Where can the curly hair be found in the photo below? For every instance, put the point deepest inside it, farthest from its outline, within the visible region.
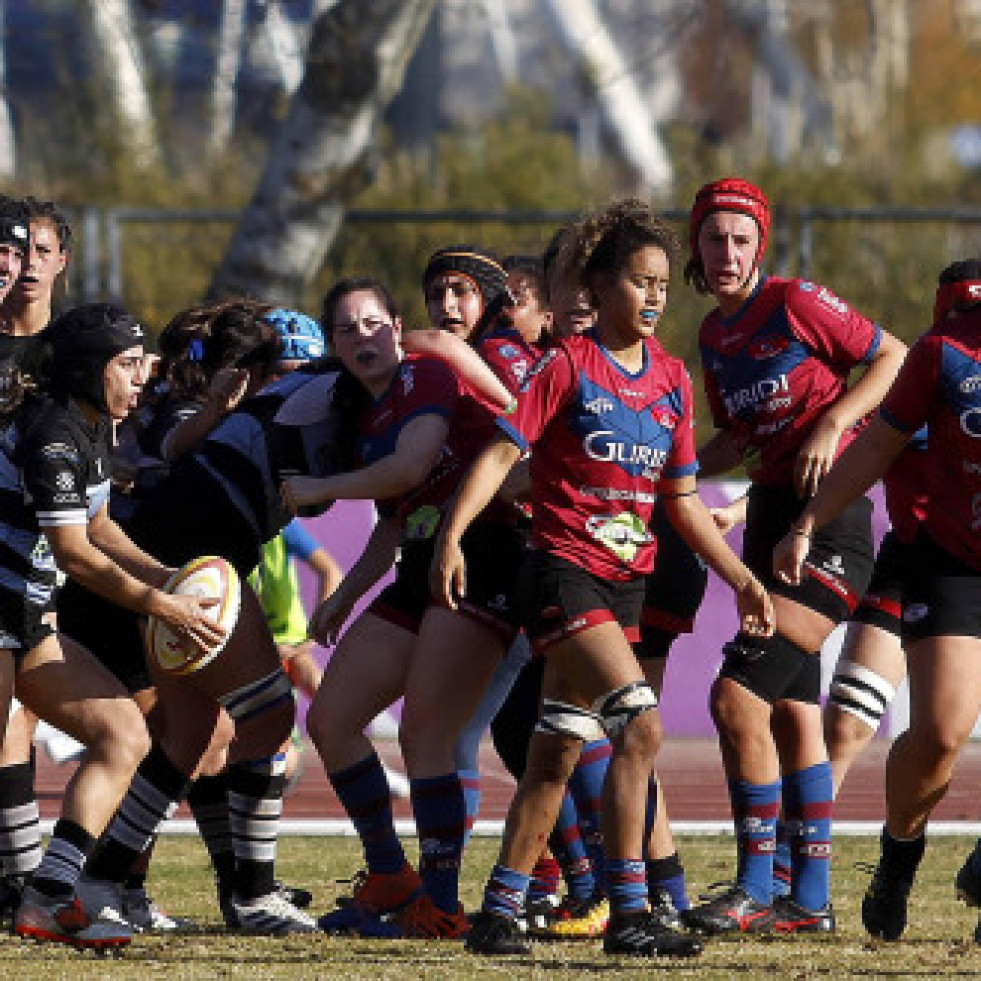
(200, 341)
(601, 242)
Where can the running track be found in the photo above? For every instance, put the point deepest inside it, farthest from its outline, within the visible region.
(689, 769)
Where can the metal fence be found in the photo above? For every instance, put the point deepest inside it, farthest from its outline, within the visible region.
(883, 260)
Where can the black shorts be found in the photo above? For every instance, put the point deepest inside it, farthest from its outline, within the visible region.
(23, 625)
(673, 591)
(558, 600)
(839, 564)
(943, 594)
(882, 604)
(110, 632)
(512, 727)
(493, 554)
(185, 516)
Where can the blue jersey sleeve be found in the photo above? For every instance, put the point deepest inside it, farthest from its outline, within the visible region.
(299, 542)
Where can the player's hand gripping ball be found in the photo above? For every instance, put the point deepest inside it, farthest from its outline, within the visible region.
(207, 576)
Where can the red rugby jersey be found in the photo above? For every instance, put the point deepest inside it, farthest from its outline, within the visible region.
(774, 367)
(940, 385)
(603, 438)
(509, 355)
(905, 487)
(425, 385)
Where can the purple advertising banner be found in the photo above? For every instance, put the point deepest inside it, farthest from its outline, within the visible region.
(694, 659)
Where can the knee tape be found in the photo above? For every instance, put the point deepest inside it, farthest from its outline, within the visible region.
(862, 692)
(773, 668)
(618, 708)
(258, 696)
(560, 719)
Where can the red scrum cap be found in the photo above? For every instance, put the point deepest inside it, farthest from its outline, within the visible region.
(959, 287)
(730, 194)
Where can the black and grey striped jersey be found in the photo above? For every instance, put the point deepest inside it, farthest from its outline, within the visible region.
(294, 426)
(54, 471)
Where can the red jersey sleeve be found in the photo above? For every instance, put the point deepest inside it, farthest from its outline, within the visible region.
(908, 402)
(427, 385)
(509, 359)
(683, 458)
(837, 333)
(546, 388)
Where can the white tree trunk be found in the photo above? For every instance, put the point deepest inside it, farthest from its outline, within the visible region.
(620, 100)
(229, 58)
(8, 141)
(357, 57)
(118, 44)
(284, 41)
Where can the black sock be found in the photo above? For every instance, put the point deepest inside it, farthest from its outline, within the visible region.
(152, 797)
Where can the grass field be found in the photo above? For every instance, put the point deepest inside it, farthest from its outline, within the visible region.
(937, 944)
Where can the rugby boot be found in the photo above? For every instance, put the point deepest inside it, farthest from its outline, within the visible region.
(538, 912)
(63, 919)
(375, 895)
(732, 911)
(642, 934)
(577, 919)
(885, 902)
(271, 915)
(791, 917)
(493, 935)
(967, 885)
(145, 916)
(424, 920)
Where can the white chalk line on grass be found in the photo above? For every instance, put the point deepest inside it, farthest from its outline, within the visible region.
(340, 828)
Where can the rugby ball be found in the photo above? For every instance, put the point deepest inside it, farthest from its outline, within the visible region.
(209, 575)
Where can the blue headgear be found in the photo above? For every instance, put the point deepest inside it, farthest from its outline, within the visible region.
(300, 335)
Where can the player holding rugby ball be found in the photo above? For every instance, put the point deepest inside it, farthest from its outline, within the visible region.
(54, 488)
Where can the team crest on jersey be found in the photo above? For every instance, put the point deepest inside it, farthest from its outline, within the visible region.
(767, 347)
(408, 379)
(623, 534)
(64, 481)
(508, 351)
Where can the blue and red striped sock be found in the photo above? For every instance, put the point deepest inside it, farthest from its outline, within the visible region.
(363, 791)
(545, 878)
(754, 809)
(807, 805)
(441, 818)
(505, 892)
(569, 850)
(626, 884)
(586, 787)
(470, 779)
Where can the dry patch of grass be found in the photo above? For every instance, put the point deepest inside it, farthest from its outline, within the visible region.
(937, 944)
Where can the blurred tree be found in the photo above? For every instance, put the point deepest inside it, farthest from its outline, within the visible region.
(357, 57)
(123, 71)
